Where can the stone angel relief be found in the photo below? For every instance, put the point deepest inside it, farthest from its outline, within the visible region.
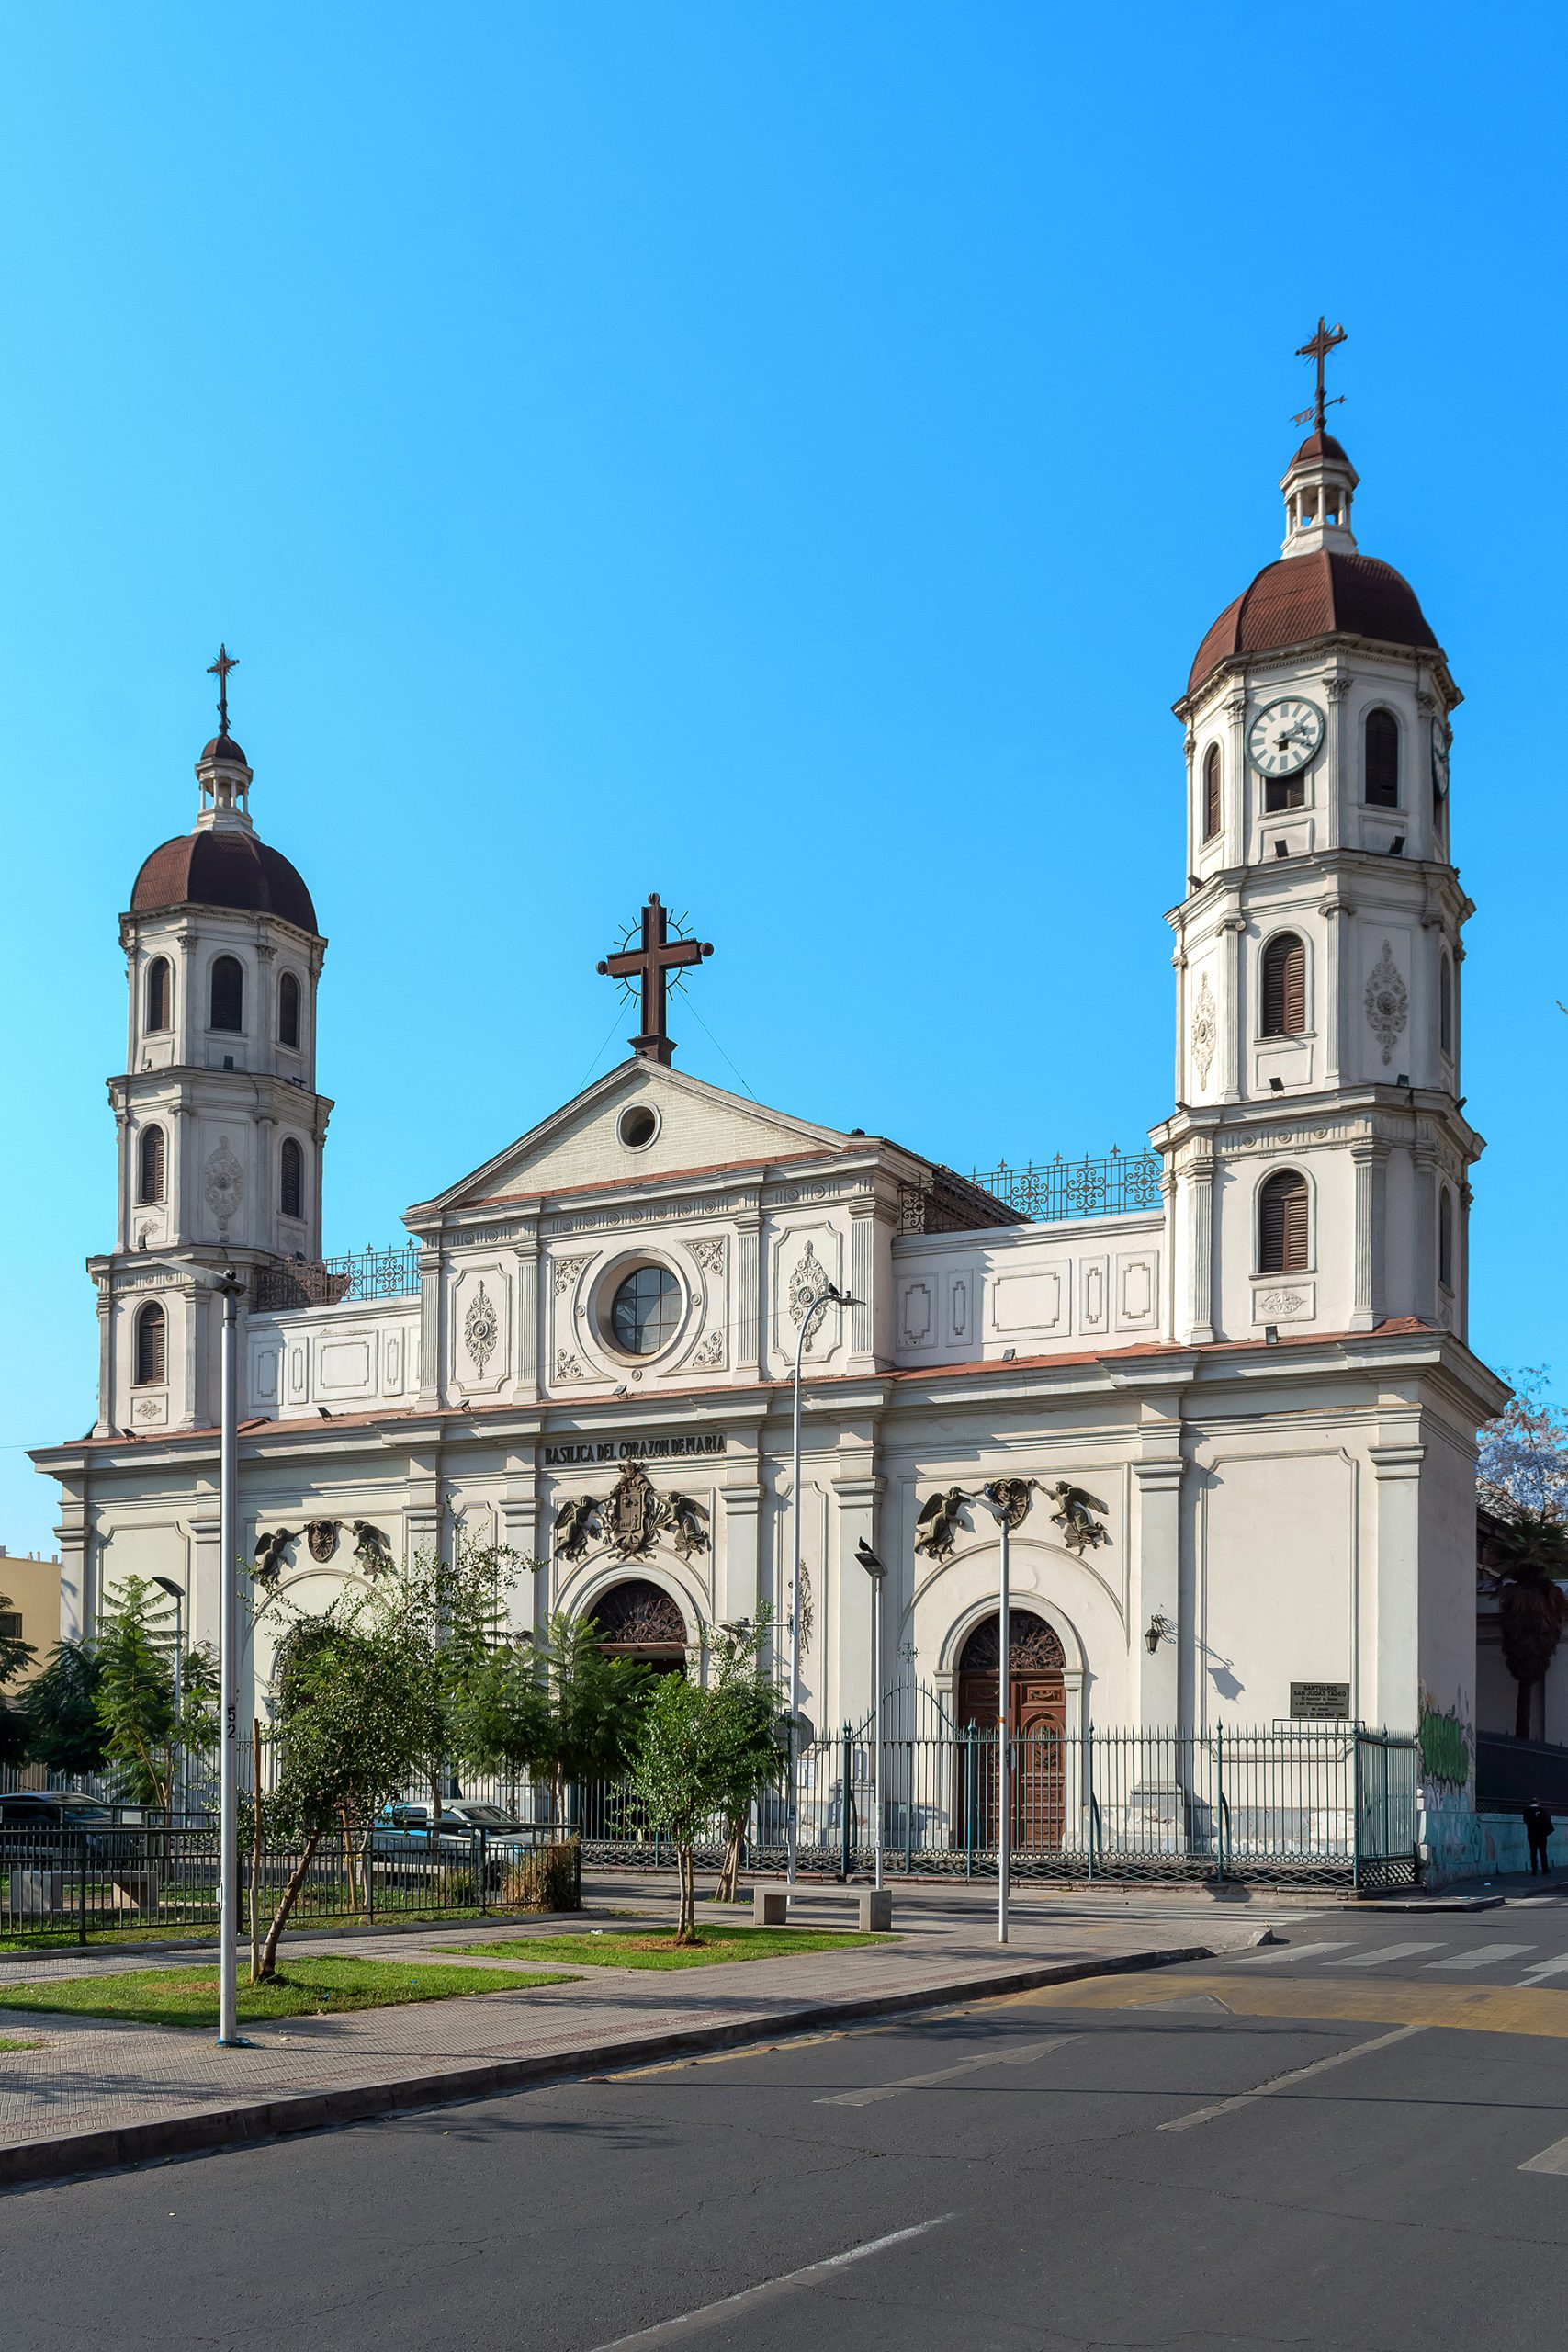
(574, 1525)
(267, 1563)
(936, 1529)
(372, 1553)
(1074, 1515)
(685, 1522)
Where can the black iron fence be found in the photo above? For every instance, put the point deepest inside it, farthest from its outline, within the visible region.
(70, 1883)
(1044, 1190)
(328, 1281)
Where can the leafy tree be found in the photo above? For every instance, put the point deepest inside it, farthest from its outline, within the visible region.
(678, 1772)
(64, 1730)
(752, 1735)
(348, 1735)
(16, 1656)
(1526, 1558)
(451, 1619)
(562, 1710)
(1523, 1464)
(133, 1693)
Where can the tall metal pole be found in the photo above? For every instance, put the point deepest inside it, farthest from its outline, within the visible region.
(1004, 1708)
(227, 1648)
(179, 1705)
(829, 1295)
(876, 1723)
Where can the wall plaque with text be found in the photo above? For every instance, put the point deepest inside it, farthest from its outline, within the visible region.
(1320, 1702)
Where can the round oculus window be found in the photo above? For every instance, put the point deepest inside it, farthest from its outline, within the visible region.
(638, 1125)
(645, 1313)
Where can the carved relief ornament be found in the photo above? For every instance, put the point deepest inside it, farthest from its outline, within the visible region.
(1205, 1031)
(1387, 1002)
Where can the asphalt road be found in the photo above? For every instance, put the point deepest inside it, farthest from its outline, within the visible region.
(1358, 2138)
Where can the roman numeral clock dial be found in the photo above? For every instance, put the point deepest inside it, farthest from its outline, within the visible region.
(1285, 736)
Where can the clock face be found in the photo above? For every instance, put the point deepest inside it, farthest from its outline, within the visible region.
(1440, 758)
(1285, 736)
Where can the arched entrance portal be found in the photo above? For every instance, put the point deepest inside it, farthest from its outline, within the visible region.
(636, 1620)
(1037, 1714)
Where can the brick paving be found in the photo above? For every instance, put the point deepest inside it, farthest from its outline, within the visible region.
(91, 2076)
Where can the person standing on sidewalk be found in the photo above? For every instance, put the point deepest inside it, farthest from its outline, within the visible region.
(1538, 1830)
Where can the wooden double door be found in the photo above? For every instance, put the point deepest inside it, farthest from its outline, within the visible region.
(1037, 1716)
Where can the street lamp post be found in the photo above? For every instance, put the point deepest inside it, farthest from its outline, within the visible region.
(1006, 1500)
(877, 1571)
(176, 1593)
(828, 1296)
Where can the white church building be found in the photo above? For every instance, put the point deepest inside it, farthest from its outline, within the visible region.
(1237, 1369)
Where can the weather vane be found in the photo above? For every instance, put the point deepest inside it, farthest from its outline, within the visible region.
(220, 670)
(1322, 344)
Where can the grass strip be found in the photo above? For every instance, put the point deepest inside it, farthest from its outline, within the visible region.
(302, 1988)
(718, 1946)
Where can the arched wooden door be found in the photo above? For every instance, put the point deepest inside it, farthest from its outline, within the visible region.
(1037, 1716)
(636, 1620)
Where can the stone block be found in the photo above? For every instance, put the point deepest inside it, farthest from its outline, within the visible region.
(770, 1906)
(875, 1905)
(35, 1894)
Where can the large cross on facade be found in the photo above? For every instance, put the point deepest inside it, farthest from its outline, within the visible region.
(646, 968)
(1321, 345)
(220, 670)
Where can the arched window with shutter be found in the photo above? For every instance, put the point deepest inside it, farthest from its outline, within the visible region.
(227, 1009)
(1380, 780)
(152, 1346)
(289, 1010)
(1445, 1238)
(1284, 986)
(160, 994)
(1212, 792)
(292, 1179)
(150, 1165)
(1283, 1224)
(1446, 1005)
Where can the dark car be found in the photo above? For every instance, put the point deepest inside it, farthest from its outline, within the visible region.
(42, 1826)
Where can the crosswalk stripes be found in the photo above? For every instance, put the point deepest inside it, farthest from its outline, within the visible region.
(1383, 1954)
(1286, 1952)
(1538, 1969)
(1483, 1956)
(1341, 1953)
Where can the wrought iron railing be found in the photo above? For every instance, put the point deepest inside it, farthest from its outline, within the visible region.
(328, 1282)
(1043, 1190)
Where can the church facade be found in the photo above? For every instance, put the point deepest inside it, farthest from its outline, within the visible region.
(1238, 1389)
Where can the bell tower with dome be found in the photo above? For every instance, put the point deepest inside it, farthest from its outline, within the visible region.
(1318, 1156)
(221, 1129)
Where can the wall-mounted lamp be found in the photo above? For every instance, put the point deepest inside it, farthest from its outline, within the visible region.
(1160, 1630)
(1276, 1086)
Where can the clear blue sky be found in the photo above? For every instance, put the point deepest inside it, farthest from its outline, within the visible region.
(783, 457)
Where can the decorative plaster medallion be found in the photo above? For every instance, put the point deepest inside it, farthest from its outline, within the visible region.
(481, 1328)
(807, 1284)
(320, 1534)
(1387, 1002)
(710, 1355)
(1279, 1302)
(148, 1408)
(566, 1270)
(223, 1182)
(710, 1256)
(567, 1365)
(1205, 1031)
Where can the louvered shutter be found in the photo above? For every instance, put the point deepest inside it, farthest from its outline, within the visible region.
(1382, 745)
(1211, 793)
(1284, 987)
(1282, 1225)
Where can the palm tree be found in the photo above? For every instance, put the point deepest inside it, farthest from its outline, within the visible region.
(1526, 1559)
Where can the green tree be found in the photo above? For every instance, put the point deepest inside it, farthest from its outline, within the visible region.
(451, 1619)
(1525, 1556)
(59, 1711)
(595, 1707)
(679, 1772)
(16, 1656)
(347, 1736)
(134, 1692)
(751, 1735)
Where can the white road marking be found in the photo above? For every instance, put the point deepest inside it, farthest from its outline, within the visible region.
(1540, 1968)
(1019, 2057)
(1291, 1951)
(675, 2331)
(1282, 2082)
(1384, 1953)
(1552, 2159)
(1483, 1956)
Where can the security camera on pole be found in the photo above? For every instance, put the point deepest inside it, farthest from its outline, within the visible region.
(828, 1296)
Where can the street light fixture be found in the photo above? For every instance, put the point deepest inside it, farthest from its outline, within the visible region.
(877, 1571)
(231, 1287)
(177, 1594)
(828, 1296)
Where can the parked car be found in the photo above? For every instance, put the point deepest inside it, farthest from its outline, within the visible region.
(44, 1824)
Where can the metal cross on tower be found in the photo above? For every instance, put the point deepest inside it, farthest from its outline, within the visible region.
(220, 670)
(1321, 345)
(646, 968)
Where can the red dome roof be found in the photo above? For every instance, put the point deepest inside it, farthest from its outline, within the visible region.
(230, 868)
(224, 747)
(1320, 445)
(1303, 597)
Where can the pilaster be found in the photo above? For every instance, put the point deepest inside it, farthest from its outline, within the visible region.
(1155, 1595)
(1200, 1246)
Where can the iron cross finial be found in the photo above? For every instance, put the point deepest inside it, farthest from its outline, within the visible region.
(1321, 345)
(646, 968)
(220, 670)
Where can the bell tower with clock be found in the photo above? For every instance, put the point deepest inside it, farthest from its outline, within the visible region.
(1318, 1155)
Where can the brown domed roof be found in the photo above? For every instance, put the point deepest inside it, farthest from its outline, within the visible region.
(1321, 594)
(223, 747)
(229, 868)
(1320, 445)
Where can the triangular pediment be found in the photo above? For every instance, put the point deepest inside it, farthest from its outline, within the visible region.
(602, 1138)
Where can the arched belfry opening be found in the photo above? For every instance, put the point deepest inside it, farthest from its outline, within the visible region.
(637, 1620)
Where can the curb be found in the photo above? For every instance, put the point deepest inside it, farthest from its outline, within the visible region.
(273, 2118)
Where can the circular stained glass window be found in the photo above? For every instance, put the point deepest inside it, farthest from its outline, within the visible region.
(645, 1311)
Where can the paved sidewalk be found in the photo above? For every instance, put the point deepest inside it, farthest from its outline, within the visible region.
(94, 2095)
